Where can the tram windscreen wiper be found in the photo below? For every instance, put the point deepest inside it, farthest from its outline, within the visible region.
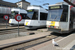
(55, 18)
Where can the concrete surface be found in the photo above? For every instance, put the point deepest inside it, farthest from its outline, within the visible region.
(13, 35)
(4, 43)
(43, 30)
(4, 28)
(66, 43)
(70, 46)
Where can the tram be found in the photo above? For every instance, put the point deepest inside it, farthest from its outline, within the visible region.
(14, 12)
(36, 17)
(61, 18)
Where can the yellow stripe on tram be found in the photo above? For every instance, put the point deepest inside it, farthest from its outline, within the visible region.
(26, 23)
(52, 23)
(9, 21)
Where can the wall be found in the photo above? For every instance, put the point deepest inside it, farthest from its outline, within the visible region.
(19, 4)
(25, 5)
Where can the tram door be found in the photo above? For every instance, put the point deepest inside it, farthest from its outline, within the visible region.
(72, 20)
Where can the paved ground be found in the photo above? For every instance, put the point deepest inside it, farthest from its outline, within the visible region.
(15, 35)
(20, 39)
(66, 43)
(4, 23)
(8, 27)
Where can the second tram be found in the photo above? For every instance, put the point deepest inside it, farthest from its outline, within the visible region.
(36, 17)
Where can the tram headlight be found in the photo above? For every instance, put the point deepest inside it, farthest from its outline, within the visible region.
(10, 21)
(57, 27)
(54, 26)
(26, 23)
(49, 26)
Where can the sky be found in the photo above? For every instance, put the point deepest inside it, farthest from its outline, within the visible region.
(38, 2)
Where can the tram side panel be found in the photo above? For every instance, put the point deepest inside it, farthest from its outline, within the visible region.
(43, 19)
(72, 19)
(31, 24)
(14, 22)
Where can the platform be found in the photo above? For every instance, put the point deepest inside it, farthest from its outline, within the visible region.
(8, 28)
(66, 43)
(8, 42)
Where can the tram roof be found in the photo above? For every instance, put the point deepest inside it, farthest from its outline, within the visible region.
(60, 3)
(41, 9)
(18, 9)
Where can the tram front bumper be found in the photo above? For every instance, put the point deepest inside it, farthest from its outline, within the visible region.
(57, 30)
(31, 27)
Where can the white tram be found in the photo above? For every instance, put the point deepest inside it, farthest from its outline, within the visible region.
(36, 17)
(14, 12)
(61, 18)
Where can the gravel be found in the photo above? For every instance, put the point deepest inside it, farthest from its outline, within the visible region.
(13, 35)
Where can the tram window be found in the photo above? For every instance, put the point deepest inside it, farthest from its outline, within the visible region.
(43, 16)
(64, 17)
(23, 15)
(35, 16)
(13, 14)
(72, 16)
(32, 15)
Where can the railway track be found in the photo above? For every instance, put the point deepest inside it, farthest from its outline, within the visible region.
(13, 30)
(28, 44)
(10, 30)
(13, 33)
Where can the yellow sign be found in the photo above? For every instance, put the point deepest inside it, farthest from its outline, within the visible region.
(26, 23)
(30, 10)
(9, 21)
(54, 7)
(52, 23)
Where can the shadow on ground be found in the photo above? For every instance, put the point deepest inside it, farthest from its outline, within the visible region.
(62, 35)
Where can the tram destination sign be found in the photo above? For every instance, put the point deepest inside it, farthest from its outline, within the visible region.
(54, 7)
(29, 10)
(32, 10)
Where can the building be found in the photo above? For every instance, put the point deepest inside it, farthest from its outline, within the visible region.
(4, 5)
(7, 4)
(23, 4)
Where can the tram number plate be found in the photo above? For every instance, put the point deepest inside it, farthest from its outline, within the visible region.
(52, 23)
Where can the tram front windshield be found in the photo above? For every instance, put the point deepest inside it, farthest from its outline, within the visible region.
(13, 14)
(55, 15)
(32, 15)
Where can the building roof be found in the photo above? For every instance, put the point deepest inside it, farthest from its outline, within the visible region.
(7, 3)
(23, 1)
